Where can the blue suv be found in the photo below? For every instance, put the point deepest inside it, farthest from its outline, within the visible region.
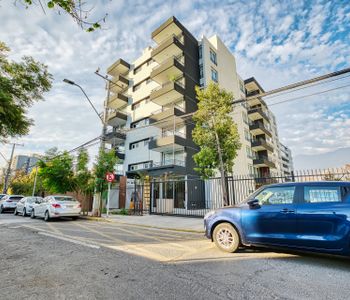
(311, 216)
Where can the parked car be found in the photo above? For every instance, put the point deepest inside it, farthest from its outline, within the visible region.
(56, 206)
(311, 216)
(9, 202)
(25, 205)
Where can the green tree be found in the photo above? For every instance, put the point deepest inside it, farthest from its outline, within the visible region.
(106, 162)
(22, 183)
(56, 172)
(77, 9)
(83, 179)
(215, 133)
(21, 84)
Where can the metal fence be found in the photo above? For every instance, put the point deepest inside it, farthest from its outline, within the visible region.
(195, 197)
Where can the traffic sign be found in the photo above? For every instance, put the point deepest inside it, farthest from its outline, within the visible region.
(110, 177)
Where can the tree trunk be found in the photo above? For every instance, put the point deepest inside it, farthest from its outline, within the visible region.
(222, 171)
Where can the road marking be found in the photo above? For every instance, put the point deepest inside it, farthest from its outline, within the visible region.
(53, 228)
(69, 240)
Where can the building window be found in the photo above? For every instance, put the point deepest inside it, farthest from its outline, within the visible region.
(247, 135)
(241, 87)
(138, 69)
(214, 75)
(245, 118)
(136, 87)
(137, 144)
(135, 106)
(140, 123)
(213, 57)
(200, 51)
(201, 72)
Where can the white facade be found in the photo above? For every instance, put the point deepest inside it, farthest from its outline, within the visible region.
(219, 65)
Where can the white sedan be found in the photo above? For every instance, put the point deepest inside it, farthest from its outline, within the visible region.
(56, 206)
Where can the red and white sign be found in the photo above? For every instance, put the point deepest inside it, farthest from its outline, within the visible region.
(110, 177)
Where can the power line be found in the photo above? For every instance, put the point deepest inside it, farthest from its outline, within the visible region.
(306, 87)
(310, 95)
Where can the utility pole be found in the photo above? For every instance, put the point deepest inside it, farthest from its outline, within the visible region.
(8, 171)
(36, 176)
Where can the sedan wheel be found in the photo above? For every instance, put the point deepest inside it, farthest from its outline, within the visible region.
(32, 215)
(24, 213)
(47, 216)
(226, 237)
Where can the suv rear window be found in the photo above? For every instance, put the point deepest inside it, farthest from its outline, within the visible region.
(320, 194)
(15, 198)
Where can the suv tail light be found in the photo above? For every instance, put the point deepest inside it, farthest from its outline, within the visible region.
(56, 205)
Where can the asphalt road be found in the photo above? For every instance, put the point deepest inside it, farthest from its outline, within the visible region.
(95, 260)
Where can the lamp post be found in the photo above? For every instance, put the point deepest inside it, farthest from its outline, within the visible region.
(96, 203)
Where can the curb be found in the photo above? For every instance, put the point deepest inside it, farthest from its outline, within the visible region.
(140, 225)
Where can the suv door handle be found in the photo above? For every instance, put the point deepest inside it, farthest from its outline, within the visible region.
(287, 211)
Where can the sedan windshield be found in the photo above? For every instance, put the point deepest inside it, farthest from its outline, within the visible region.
(63, 198)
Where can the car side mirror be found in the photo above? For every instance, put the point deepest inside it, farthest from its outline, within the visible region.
(253, 203)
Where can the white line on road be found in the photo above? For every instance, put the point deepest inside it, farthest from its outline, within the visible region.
(69, 240)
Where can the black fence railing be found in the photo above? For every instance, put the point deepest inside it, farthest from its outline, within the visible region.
(196, 197)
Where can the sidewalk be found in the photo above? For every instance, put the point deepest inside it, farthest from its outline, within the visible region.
(156, 221)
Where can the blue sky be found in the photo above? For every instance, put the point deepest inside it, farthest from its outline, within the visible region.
(278, 42)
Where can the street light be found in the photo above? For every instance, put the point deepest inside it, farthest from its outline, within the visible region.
(73, 83)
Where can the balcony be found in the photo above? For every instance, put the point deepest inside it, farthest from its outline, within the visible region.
(166, 117)
(257, 100)
(115, 137)
(261, 145)
(119, 84)
(257, 114)
(264, 162)
(173, 67)
(173, 46)
(168, 93)
(119, 67)
(168, 28)
(117, 101)
(258, 128)
(170, 166)
(117, 119)
(169, 141)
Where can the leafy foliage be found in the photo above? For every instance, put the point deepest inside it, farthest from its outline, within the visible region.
(83, 179)
(106, 162)
(75, 8)
(21, 84)
(56, 172)
(214, 130)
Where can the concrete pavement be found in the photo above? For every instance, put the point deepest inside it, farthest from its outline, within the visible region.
(66, 259)
(185, 224)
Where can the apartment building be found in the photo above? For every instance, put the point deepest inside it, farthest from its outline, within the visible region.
(286, 161)
(24, 162)
(149, 100)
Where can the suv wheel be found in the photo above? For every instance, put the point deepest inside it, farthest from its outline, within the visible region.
(1, 209)
(24, 213)
(32, 215)
(47, 216)
(15, 212)
(226, 237)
